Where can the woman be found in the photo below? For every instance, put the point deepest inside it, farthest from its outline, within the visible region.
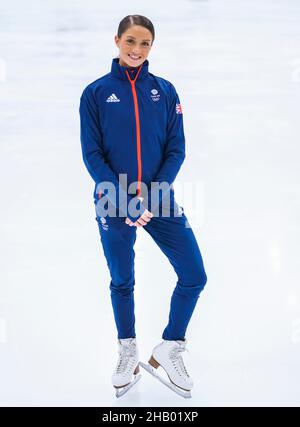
(132, 125)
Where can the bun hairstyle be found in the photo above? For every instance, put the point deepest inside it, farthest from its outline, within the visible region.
(131, 20)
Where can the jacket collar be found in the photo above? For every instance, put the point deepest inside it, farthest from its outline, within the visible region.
(119, 71)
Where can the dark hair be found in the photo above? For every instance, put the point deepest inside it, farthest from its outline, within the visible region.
(131, 20)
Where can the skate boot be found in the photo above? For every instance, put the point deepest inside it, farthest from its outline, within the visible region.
(127, 366)
(167, 354)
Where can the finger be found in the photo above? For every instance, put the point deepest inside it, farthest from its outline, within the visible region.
(148, 218)
(141, 221)
(147, 214)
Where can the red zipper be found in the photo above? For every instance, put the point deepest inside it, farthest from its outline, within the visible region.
(138, 129)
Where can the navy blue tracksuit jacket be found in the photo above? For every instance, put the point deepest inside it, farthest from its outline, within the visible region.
(132, 123)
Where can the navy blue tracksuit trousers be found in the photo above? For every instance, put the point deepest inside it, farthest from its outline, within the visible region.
(177, 241)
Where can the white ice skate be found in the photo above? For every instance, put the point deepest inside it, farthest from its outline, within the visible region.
(167, 355)
(127, 366)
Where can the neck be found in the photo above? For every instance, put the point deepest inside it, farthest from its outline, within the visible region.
(123, 64)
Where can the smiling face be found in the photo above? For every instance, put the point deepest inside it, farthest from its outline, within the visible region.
(134, 46)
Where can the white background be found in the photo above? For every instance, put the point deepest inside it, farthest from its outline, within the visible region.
(236, 67)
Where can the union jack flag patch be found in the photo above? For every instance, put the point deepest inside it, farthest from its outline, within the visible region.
(178, 109)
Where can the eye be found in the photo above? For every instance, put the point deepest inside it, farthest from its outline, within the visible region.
(129, 40)
(146, 43)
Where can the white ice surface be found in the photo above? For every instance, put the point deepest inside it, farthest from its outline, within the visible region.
(236, 67)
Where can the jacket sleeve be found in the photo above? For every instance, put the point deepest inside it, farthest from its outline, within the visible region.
(174, 154)
(92, 152)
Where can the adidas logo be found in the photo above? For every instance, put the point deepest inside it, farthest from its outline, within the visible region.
(112, 98)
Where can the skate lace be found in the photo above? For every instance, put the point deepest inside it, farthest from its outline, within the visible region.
(124, 355)
(176, 357)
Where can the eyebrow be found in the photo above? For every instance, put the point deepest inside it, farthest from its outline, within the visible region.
(145, 40)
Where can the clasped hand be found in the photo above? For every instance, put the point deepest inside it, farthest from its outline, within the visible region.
(143, 220)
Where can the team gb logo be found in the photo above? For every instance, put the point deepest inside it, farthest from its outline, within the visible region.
(178, 109)
(155, 95)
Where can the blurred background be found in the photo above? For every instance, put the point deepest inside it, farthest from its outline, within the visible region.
(236, 67)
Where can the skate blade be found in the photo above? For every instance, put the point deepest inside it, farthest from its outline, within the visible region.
(186, 394)
(120, 391)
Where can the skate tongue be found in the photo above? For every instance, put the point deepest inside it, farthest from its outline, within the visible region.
(127, 341)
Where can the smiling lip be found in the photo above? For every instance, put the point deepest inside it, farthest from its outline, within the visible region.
(134, 58)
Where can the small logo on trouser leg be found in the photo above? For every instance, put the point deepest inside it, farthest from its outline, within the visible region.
(103, 222)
